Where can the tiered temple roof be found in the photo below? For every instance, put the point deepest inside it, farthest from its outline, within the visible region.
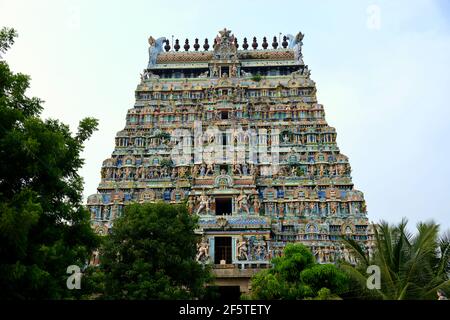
(236, 132)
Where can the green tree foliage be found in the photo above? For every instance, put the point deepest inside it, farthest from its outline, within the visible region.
(150, 254)
(256, 78)
(296, 275)
(43, 226)
(412, 266)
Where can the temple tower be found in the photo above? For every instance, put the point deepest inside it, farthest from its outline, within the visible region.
(236, 132)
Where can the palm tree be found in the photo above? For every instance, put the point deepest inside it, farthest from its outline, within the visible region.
(412, 266)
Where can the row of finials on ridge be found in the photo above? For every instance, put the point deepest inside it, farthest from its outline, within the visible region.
(245, 45)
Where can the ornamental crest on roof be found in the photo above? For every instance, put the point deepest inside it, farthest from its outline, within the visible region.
(224, 46)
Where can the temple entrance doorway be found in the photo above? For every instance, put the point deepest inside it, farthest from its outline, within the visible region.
(222, 250)
(223, 206)
(220, 293)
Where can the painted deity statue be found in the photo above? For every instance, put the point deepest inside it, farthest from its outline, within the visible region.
(191, 204)
(241, 249)
(256, 205)
(204, 203)
(202, 251)
(242, 201)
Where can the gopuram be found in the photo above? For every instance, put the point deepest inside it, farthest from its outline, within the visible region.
(235, 131)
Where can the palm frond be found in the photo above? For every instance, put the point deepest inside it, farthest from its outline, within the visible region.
(423, 248)
(356, 250)
(384, 254)
(443, 268)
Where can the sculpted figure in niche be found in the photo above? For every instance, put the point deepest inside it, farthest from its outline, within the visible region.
(260, 250)
(332, 170)
(253, 170)
(326, 255)
(215, 71)
(126, 173)
(202, 170)
(233, 71)
(323, 208)
(348, 230)
(107, 213)
(210, 169)
(242, 201)
(195, 171)
(340, 253)
(138, 174)
(321, 170)
(281, 209)
(204, 74)
(110, 173)
(333, 207)
(321, 255)
(341, 169)
(312, 207)
(119, 173)
(242, 249)
(333, 193)
(332, 254)
(346, 255)
(291, 207)
(202, 251)
(237, 169)
(294, 171)
(204, 203)
(245, 169)
(191, 204)
(174, 173)
(182, 172)
(256, 205)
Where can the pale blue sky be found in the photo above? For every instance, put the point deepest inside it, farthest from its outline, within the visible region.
(384, 86)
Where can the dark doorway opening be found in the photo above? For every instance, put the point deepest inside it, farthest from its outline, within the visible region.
(225, 70)
(224, 139)
(222, 249)
(223, 293)
(223, 206)
(224, 115)
(224, 168)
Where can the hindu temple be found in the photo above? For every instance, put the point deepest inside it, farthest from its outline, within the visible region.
(234, 130)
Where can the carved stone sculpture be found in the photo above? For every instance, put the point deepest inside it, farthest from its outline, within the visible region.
(156, 47)
(204, 203)
(241, 249)
(202, 251)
